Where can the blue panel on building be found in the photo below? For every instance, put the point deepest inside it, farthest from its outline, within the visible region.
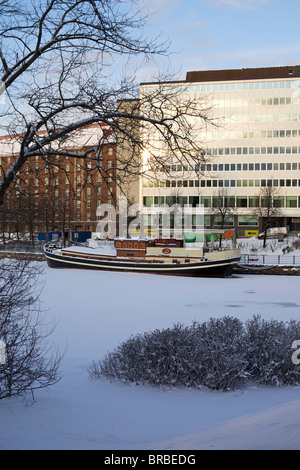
(48, 236)
(80, 236)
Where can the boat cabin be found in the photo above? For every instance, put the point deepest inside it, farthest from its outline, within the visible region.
(131, 248)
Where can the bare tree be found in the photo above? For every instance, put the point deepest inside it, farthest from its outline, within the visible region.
(268, 211)
(57, 59)
(223, 208)
(30, 362)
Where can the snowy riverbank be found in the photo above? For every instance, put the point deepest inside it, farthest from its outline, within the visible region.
(95, 312)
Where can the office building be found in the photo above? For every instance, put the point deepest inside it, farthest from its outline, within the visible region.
(253, 154)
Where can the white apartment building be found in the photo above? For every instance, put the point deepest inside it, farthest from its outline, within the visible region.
(256, 146)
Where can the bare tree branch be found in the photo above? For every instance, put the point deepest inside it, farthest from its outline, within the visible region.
(56, 58)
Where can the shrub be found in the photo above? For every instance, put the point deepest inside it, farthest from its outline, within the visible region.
(221, 354)
(269, 351)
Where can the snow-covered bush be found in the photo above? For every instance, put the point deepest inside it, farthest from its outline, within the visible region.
(209, 354)
(220, 346)
(221, 354)
(269, 345)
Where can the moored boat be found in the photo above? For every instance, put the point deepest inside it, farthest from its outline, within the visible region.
(166, 256)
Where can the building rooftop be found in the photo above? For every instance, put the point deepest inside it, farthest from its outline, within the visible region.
(244, 74)
(261, 73)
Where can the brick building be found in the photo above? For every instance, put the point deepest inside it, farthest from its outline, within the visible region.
(59, 193)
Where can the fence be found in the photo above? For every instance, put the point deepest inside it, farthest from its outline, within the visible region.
(287, 260)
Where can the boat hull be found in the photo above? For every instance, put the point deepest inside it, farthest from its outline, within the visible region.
(216, 268)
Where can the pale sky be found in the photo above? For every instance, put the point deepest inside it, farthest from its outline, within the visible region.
(224, 34)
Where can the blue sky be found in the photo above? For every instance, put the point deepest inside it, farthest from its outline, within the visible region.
(221, 34)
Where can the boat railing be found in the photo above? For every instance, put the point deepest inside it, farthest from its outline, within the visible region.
(49, 248)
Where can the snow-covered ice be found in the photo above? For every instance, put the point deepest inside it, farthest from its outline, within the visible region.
(96, 311)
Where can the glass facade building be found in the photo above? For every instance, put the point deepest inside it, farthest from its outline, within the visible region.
(252, 153)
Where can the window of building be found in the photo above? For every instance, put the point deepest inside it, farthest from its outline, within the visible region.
(278, 201)
(247, 220)
(291, 201)
(182, 201)
(148, 201)
(159, 200)
(217, 201)
(253, 201)
(219, 221)
(241, 201)
(170, 200)
(229, 201)
(206, 201)
(194, 201)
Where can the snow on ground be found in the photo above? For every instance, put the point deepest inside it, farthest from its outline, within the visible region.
(95, 312)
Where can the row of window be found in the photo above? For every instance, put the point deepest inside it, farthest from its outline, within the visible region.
(257, 134)
(282, 166)
(242, 220)
(286, 100)
(229, 221)
(245, 118)
(227, 183)
(294, 149)
(282, 150)
(213, 87)
(220, 201)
